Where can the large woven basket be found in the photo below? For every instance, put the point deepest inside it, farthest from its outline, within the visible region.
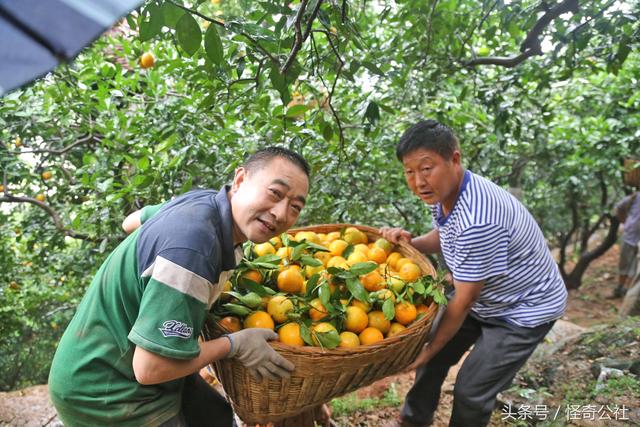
(321, 374)
(632, 172)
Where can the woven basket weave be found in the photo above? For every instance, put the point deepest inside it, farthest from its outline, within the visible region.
(321, 374)
(632, 172)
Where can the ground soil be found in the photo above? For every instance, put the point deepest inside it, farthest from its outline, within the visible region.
(587, 307)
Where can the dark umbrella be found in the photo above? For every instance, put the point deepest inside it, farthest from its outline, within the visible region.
(35, 35)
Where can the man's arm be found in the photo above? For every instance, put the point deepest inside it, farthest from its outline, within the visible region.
(151, 368)
(132, 221)
(466, 295)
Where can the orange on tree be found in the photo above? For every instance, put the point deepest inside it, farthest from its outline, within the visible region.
(289, 334)
(262, 249)
(370, 336)
(317, 311)
(372, 281)
(46, 175)
(259, 319)
(290, 279)
(1, 188)
(405, 312)
(356, 319)
(40, 197)
(231, 323)
(147, 60)
(395, 329)
(409, 272)
(278, 307)
(349, 340)
(337, 247)
(377, 255)
(253, 275)
(322, 327)
(378, 321)
(18, 142)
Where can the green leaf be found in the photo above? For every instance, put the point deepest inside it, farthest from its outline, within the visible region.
(297, 110)
(357, 290)
(310, 261)
(188, 34)
(373, 68)
(268, 259)
(324, 293)
(329, 339)
(252, 286)
(298, 251)
(239, 310)
(372, 114)
(389, 309)
(152, 27)
(213, 45)
(279, 83)
(361, 268)
(172, 14)
(305, 333)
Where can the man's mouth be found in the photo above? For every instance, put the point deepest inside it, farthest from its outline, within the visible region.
(270, 226)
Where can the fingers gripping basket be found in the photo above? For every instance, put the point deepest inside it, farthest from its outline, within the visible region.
(321, 374)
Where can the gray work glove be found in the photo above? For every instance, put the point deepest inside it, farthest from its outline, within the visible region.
(251, 348)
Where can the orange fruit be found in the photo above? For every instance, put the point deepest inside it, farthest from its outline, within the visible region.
(409, 272)
(322, 327)
(349, 340)
(356, 257)
(378, 321)
(339, 262)
(318, 310)
(310, 271)
(309, 236)
(262, 249)
(396, 284)
(289, 334)
(405, 312)
(147, 60)
(276, 242)
(40, 197)
(393, 258)
(231, 323)
(370, 336)
(290, 280)
(361, 247)
(365, 306)
(259, 319)
(46, 175)
(356, 319)
(323, 256)
(278, 307)
(421, 309)
(285, 252)
(395, 329)
(372, 281)
(385, 294)
(402, 261)
(334, 235)
(377, 255)
(337, 247)
(386, 245)
(1, 188)
(254, 275)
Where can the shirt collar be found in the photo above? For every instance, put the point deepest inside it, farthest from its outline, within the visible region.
(442, 220)
(226, 228)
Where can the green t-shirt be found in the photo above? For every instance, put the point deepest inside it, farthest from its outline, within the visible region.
(153, 291)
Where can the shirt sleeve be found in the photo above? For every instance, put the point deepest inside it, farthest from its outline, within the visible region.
(481, 253)
(174, 304)
(149, 211)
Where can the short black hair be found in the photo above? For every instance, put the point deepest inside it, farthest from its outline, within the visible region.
(428, 134)
(263, 156)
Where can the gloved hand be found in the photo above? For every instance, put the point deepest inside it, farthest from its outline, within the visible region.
(251, 348)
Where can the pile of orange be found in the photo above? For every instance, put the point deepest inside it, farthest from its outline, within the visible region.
(334, 289)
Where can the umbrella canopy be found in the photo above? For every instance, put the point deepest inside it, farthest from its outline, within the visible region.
(35, 35)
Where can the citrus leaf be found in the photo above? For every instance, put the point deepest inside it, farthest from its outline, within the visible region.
(389, 309)
(305, 333)
(188, 34)
(213, 45)
(239, 310)
(296, 110)
(329, 339)
(268, 259)
(361, 268)
(324, 293)
(310, 261)
(172, 14)
(357, 290)
(152, 27)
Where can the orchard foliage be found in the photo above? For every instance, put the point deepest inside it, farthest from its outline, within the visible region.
(542, 94)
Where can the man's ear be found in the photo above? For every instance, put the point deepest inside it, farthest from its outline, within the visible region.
(238, 178)
(456, 157)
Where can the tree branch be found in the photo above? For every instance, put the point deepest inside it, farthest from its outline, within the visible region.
(504, 61)
(88, 138)
(300, 37)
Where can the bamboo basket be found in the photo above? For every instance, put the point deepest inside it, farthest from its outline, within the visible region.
(632, 172)
(321, 374)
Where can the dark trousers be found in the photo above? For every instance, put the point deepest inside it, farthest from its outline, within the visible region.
(500, 349)
(201, 406)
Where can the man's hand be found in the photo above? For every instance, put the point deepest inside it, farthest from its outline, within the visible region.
(251, 348)
(395, 234)
(423, 358)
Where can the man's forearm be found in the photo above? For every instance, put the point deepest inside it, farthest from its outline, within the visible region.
(150, 368)
(427, 243)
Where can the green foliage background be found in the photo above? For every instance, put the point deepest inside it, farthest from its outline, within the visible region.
(556, 126)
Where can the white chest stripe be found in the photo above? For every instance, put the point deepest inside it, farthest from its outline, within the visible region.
(180, 279)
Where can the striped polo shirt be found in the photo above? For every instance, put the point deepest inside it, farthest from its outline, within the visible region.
(490, 236)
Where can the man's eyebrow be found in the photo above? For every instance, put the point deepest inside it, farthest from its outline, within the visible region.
(285, 184)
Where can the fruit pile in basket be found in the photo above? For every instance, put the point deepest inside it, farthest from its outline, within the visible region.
(335, 289)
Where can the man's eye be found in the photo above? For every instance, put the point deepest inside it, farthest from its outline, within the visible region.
(296, 208)
(275, 193)
(408, 172)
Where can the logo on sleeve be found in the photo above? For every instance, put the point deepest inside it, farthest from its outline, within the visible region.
(174, 328)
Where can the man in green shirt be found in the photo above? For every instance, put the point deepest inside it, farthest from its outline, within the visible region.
(125, 355)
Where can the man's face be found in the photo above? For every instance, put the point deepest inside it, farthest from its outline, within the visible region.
(432, 178)
(267, 201)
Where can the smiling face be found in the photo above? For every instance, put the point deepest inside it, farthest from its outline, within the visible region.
(267, 200)
(432, 177)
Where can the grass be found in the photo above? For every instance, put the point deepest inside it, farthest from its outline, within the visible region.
(350, 403)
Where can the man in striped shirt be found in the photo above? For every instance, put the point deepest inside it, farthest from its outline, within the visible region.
(508, 291)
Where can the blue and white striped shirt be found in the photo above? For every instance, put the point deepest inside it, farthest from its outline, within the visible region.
(489, 235)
